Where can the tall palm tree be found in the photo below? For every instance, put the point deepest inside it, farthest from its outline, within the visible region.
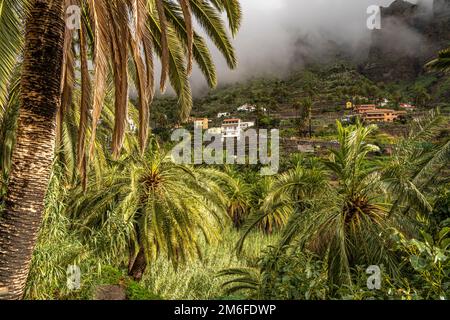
(239, 195)
(340, 217)
(110, 33)
(275, 218)
(161, 208)
(345, 216)
(307, 105)
(33, 155)
(422, 97)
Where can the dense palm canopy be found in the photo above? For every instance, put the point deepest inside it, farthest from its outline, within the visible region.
(150, 206)
(328, 215)
(345, 207)
(120, 39)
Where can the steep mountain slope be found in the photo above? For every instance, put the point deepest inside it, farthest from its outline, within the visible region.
(409, 37)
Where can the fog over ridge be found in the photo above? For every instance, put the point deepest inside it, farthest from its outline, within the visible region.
(269, 39)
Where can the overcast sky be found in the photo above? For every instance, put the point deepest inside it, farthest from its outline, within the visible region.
(266, 41)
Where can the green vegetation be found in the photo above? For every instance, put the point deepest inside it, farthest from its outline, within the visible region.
(308, 233)
(288, 99)
(134, 221)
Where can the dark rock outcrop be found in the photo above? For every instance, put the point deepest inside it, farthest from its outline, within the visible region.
(110, 292)
(409, 37)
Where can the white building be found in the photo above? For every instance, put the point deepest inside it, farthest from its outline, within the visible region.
(133, 127)
(231, 128)
(215, 130)
(234, 128)
(246, 108)
(223, 115)
(246, 125)
(384, 103)
(407, 106)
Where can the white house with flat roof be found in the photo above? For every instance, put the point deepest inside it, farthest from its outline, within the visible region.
(247, 108)
(231, 128)
(215, 130)
(223, 115)
(234, 128)
(246, 125)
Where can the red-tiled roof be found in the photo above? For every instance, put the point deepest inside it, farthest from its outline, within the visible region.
(381, 111)
(231, 120)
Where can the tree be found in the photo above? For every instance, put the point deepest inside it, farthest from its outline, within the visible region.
(345, 206)
(239, 198)
(33, 155)
(151, 206)
(277, 218)
(442, 62)
(307, 105)
(397, 98)
(110, 32)
(422, 97)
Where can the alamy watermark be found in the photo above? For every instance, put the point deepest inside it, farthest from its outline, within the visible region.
(73, 21)
(250, 147)
(374, 19)
(73, 13)
(374, 281)
(73, 274)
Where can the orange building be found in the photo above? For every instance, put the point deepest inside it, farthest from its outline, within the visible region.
(202, 123)
(380, 115)
(363, 108)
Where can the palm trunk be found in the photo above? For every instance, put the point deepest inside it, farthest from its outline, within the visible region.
(310, 121)
(138, 266)
(34, 151)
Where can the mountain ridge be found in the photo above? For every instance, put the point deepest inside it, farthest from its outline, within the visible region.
(409, 37)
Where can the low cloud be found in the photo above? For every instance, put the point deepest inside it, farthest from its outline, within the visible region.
(277, 34)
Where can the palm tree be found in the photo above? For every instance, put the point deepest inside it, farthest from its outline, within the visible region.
(239, 196)
(421, 96)
(107, 32)
(307, 105)
(345, 216)
(148, 206)
(33, 155)
(397, 97)
(442, 62)
(293, 190)
(163, 28)
(275, 218)
(418, 167)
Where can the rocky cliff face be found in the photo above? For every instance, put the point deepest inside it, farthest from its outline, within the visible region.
(409, 37)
